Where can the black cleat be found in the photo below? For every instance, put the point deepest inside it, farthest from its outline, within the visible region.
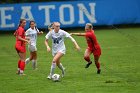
(98, 71)
(88, 64)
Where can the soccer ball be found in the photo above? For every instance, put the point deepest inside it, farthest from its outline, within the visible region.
(55, 77)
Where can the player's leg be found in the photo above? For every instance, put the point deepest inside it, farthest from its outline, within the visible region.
(60, 66)
(97, 63)
(57, 60)
(34, 61)
(22, 60)
(29, 59)
(87, 57)
(19, 61)
(31, 49)
(54, 62)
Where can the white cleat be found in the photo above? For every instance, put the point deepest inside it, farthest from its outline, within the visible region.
(49, 77)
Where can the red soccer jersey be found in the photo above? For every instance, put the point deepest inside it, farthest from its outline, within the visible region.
(20, 32)
(91, 40)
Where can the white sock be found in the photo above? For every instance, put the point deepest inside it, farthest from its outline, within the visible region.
(34, 64)
(53, 66)
(18, 69)
(27, 60)
(60, 66)
(21, 71)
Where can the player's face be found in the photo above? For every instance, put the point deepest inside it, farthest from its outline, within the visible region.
(56, 27)
(32, 24)
(87, 28)
(23, 24)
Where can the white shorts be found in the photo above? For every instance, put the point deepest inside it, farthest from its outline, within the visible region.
(32, 48)
(61, 51)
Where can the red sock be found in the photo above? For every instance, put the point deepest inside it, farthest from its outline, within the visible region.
(87, 59)
(19, 64)
(22, 65)
(97, 65)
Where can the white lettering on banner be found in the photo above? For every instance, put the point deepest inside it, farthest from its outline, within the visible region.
(83, 14)
(26, 10)
(83, 10)
(62, 14)
(47, 13)
(5, 17)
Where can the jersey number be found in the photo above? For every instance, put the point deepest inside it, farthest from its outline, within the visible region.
(56, 40)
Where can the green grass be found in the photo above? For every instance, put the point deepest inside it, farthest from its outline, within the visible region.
(120, 64)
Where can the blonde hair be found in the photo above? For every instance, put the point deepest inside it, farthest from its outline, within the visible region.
(89, 25)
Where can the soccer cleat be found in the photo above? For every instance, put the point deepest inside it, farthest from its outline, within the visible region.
(63, 72)
(35, 69)
(22, 74)
(88, 64)
(98, 71)
(49, 77)
(18, 72)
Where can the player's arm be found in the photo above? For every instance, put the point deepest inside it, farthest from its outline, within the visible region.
(15, 33)
(73, 40)
(47, 45)
(47, 40)
(22, 39)
(27, 35)
(78, 34)
(39, 33)
(19, 34)
(75, 43)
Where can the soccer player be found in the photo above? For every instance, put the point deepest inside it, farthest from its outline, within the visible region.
(31, 34)
(20, 46)
(58, 47)
(93, 46)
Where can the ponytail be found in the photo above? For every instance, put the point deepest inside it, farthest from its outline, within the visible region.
(21, 20)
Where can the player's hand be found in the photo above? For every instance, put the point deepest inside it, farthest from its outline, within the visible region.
(27, 38)
(48, 49)
(71, 33)
(28, 41)
(41, 32)
(78, 48)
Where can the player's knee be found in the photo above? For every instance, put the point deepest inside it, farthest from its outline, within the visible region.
(96, 59)
(57, 63)
(86, 57)
(55, 59)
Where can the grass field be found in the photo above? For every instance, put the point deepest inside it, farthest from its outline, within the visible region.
(120, 64)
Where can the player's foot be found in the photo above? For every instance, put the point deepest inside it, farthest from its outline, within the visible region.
(88, 64)
(63, 72)
(18, 72)
(35, 68)
(49, 77)
(98, 71)
(22, 74)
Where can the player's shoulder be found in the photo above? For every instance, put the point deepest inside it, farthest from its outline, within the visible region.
(28, 30)
(20, 28)
(61, 30)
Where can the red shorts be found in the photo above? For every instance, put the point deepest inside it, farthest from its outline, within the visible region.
(20, 49)
(96, 52)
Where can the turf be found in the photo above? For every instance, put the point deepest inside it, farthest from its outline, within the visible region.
(119, 63)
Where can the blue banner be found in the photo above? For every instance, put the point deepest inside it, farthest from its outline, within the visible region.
(71, 14)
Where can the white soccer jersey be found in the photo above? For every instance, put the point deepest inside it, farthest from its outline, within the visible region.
(57, 40)
(32, 34)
